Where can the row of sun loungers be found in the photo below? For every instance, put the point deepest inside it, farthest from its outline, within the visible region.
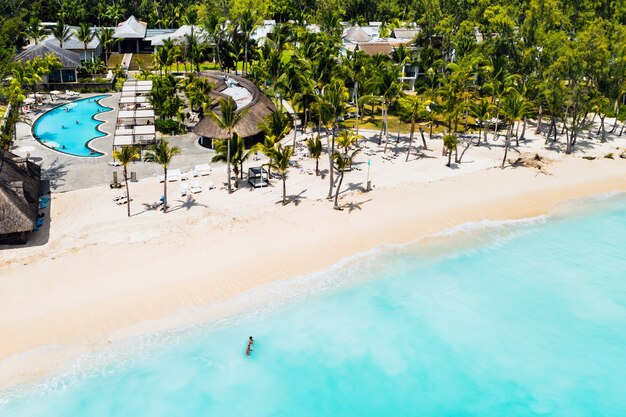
(178, 175)
(194, 188)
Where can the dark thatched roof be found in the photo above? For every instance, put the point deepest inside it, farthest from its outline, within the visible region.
(19, 195)
(68, 59)
(404, 33)
(258, 108)
(375, 48)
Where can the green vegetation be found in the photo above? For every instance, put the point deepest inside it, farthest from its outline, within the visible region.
(126, 155)
(485, 67)
(162, 154)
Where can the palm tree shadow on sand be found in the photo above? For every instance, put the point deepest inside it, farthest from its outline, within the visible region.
(186, 204)
(296, 199)
(354, 205)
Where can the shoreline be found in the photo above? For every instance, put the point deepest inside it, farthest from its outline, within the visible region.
(179, 280)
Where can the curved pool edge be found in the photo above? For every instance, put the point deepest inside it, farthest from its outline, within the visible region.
(97, 154)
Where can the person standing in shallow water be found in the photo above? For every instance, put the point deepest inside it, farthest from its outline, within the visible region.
(249, 348)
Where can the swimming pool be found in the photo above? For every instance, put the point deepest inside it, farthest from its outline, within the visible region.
(70, 127)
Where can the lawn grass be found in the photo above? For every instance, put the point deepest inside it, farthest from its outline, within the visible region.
(115, 60)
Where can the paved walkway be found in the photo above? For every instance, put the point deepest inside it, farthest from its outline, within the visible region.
(67, 172)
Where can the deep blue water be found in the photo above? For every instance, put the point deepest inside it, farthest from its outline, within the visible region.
(70, 127)
(523, 319)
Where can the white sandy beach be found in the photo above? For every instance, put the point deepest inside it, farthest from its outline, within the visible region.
(93, 275)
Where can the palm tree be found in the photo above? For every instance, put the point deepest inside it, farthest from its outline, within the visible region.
(276, 124)
(415, 109)
(314, 145)
(214, 26)
(481, 112)
(388, 88)
(514, 108)
(334, 100)
(106, 39)
(247, 24)
(235, 150)
(449, 144)
(84, 35)
(342, 161)
(34, 31)
(162, 154)
(228, 119)
(125, 156)
(280, 162)
(61, 32)
(357, 67)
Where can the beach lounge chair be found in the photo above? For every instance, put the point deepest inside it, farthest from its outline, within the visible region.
(184, 190)
(202, 169)
(210, 185)
(195, 187)
(174, 175)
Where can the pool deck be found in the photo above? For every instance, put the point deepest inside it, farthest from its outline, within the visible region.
(67, 172)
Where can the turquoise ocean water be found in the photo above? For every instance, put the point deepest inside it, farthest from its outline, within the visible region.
(70, 127)
(519, 319)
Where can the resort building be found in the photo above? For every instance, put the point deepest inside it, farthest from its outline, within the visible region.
(132, 35)
(178, 36)
(70, 62)
(19, 198)
(247, 96)
(93, 51)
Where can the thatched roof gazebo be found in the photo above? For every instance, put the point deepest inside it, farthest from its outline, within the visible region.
(19, 198)
(258, 104)
(355, 34)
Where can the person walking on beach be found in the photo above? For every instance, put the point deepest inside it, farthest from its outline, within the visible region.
(249, 348)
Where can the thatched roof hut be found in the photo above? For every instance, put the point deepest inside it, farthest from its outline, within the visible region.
(19, 198)
(355, 34)
(68, 59)
(375, 48)
(258, 107)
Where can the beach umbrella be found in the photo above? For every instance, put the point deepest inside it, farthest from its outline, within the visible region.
(55, 92)
(29, 100)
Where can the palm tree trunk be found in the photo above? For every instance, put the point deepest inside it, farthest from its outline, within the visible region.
(356, 102)
(230, 189)
(245, 59)
(479, 133)
(284, 189)
(423, 138)
(317, 166)
(219, 57)
(539, 120)
(336, 207)
(331, 150)
(127, 190)
(449, 157)
(164, 190)
(408, 152)
(507, 140)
